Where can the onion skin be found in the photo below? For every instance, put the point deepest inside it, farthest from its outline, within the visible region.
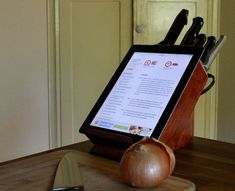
(147, 163)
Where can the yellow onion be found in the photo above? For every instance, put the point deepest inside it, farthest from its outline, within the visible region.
(147, 163)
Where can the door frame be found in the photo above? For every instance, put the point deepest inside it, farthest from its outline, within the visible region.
(54, 101)
(210, 130)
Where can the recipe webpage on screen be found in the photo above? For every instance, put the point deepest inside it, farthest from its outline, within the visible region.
(140, 95)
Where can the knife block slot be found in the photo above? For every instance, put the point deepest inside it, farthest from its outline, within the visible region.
(177, 133)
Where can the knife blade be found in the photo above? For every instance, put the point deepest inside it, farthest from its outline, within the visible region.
(193, 31)
(214, 51)
(68, 175)
(176, 27)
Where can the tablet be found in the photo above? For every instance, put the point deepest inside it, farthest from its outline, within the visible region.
(144, 90)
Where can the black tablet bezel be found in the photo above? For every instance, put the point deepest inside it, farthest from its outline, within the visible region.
(172, 49)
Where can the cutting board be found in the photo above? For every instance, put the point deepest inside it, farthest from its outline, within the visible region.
(99, 174)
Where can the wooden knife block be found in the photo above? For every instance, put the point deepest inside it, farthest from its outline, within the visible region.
(180, 126)
(178, 131)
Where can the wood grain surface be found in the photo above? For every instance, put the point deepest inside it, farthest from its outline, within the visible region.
(209, 164)
(99, 174)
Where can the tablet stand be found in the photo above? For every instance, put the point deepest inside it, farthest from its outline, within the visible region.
(108, 144)
(178, 131)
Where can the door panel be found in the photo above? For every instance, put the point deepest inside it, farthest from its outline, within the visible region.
(94, 36)
(156, 16)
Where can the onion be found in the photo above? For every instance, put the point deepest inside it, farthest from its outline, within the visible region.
(147, 163)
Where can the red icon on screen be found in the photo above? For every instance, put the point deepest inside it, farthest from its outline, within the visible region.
(170, 63)
(147, 62)
(150, 62)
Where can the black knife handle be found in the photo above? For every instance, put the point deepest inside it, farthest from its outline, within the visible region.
(214, 51)
(175, 29)
(211, 40)
(193, 31)
(200, 40)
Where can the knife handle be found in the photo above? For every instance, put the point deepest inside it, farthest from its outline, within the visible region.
(211, 40)
(214, 51)
(175, 29)
(200, 40)
(193, 31)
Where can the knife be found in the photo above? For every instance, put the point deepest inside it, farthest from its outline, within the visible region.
(68, 175)
(211, 40)
(176, 27)
(200, 40)
(214, 51)
(193, 31)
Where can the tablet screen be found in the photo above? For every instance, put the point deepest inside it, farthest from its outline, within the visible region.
(144, 91)
(137, 100)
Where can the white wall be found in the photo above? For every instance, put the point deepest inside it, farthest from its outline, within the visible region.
(23, 78)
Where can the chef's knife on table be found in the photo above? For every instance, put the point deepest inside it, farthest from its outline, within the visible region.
(68, 175)
(192, 33)
(176, 27)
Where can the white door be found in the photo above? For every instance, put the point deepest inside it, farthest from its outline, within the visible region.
(155, 17)
(94, 35)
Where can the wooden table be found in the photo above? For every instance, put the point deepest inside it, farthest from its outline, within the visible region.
(210, 165)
